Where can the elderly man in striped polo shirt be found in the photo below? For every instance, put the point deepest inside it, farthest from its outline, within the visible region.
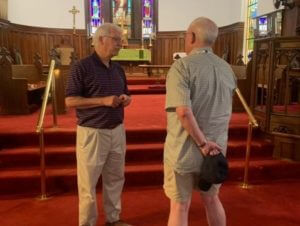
(97, 88)
(198, 104)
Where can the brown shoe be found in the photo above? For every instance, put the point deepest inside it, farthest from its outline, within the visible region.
(117, 223)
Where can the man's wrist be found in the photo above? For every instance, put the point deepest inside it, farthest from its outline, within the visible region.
(202, 145)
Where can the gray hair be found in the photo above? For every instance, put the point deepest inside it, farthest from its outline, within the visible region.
(205, 30)
(105, 30)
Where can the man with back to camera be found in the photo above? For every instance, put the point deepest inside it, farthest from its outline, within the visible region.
(97, 88)
(198, 105)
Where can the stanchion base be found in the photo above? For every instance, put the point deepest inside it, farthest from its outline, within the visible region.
(245, 186)
(43, 197)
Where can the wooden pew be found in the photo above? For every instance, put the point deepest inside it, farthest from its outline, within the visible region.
(21, 86)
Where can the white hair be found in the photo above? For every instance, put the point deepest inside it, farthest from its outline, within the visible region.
(105, 30)
(205, 30)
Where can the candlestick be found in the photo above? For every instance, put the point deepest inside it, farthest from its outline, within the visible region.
(142, 36)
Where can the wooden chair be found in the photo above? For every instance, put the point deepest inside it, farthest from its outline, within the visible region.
(21, 86)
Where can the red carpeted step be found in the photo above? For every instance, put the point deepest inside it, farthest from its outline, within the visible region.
(136, 153)
(23, 181)
(147, 89)
(67, 136)
(20, 180)
(145, 81)
(30, 156)
(144, 153)
(260, 148)
(65, 155)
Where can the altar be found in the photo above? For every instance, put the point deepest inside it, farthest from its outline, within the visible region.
(131, 58)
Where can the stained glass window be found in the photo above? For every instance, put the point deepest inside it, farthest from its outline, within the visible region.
(251, 26)
(148, 26)
(96, 15)
(122, 14)
(135, 17)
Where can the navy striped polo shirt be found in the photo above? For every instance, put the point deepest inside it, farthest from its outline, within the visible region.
(91, 78)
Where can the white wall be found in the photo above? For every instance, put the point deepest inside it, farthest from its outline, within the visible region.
(46, 13)
(265, 6)
(176, 15)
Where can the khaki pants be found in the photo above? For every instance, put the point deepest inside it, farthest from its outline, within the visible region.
(100, 151)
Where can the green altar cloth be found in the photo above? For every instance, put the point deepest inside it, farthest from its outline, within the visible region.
(133, 55)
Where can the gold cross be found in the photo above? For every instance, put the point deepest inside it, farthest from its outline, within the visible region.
(74, 11)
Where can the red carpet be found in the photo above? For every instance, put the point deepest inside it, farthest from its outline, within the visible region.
(270, 202)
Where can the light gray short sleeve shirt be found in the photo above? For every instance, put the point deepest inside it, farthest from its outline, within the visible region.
(205, 83)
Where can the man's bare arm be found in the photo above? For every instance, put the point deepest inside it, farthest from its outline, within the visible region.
(190, 124)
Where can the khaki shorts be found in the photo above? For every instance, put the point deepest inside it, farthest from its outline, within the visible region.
(179, 187)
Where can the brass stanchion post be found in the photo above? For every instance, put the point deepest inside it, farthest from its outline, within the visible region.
(247, 160)
(252, 123)
(40, 131)
(54, 101)
(42, 166)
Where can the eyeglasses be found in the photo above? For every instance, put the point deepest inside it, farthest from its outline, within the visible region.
(116, 39)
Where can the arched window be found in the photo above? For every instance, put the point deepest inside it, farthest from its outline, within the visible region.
(122, 15)
(148, 25)
(96, 17)
(137, 18)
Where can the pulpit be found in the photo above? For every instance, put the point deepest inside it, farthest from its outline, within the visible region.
(275, 92)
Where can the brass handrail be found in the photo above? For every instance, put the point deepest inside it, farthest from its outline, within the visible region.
(45, 97)
(252, 124)
(40, 127)
(247, 108)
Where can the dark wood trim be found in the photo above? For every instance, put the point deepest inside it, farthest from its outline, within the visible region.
(2, 21)
(33, 29)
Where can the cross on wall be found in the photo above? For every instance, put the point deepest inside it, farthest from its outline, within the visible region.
(74, 11)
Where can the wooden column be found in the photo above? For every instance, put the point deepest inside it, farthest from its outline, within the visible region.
(291, 20)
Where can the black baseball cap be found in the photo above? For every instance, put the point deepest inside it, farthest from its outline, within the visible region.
(214, 170)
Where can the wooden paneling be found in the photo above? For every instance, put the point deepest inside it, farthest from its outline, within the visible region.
(30, 40)
(4, 33)
(230, 37)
